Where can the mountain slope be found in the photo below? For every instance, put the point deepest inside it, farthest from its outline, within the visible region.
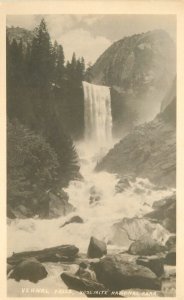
(18, 34)
(139, 69)
(149, 151)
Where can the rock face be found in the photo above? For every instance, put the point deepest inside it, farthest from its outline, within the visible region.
(164, 213)
(96, 248)
(30, 269)
(116, 274)
(149, 151)
(139, 69)
(19, 33)
(146, 246)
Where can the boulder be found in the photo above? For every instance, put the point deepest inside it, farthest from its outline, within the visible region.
(9, 268)
(154, 263)
(117, 274)
(146, 246)
(96, 248)
(59, 205)
(170, 258)
(132, 229)
(119, 237)
(29, 269)
(164, 213)
(74, 219)
(171, 242)
(53, 254)
(84, 271)
(88, 286)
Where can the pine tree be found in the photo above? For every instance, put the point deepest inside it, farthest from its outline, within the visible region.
(59, 64)
(41, 61)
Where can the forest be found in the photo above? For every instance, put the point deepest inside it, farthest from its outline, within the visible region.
(45, 114)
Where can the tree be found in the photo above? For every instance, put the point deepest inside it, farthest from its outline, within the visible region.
(41, 61)
(32, 163)
(59, 63)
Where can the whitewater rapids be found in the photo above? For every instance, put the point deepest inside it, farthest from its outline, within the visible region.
(35, 234)
(32, 234)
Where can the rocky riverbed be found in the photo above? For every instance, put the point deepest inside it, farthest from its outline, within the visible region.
(144, 263)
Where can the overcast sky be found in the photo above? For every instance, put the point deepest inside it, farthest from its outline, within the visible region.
(90, 35)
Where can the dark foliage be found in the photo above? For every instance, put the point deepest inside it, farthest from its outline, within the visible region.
(45, 97)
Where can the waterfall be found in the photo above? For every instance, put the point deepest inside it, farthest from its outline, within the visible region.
(97, 114)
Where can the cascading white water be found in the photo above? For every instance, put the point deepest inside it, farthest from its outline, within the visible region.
(99, 217)
(97, 114)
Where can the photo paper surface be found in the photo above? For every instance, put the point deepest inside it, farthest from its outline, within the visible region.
(91, 154)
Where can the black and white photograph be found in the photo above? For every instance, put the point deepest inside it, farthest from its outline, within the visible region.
(91, 155)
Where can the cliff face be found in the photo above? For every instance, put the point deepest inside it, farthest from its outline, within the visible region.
(139, 69)
(19, 34)
(149, 151)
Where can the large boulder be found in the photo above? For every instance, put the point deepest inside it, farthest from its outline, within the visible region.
(154, 263)
(133, 229)
(90, 287)
(117, 274)
(146, 246)
(164, 213)
(54, 254)
(74, 219)
(96, 248)
(30, 269)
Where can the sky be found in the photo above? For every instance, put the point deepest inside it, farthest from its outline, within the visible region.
(90, 35)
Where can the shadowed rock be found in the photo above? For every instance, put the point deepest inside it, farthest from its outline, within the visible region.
(30, 269)
(54, 254)
(146, 246)
(9, 268)
(96, 248)
(165, 213)
(74, 219)
(171, 242)
(116, 274)
(154, 263)
(90, 287)
(170, 258)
